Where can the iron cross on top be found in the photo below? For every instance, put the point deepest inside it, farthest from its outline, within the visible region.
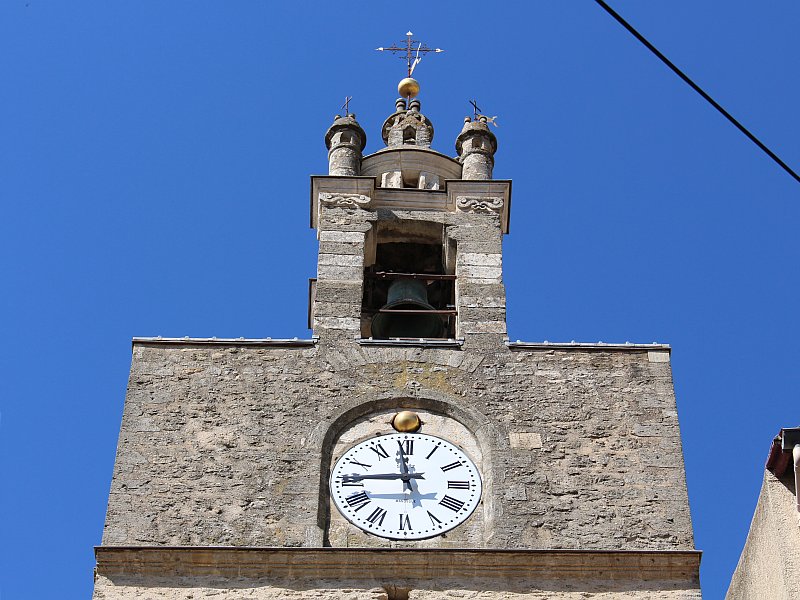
(412, 54)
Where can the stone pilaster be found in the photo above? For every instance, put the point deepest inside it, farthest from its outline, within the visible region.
(340, 268)
(480, 293)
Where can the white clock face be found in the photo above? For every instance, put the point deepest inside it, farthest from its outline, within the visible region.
(405, 486)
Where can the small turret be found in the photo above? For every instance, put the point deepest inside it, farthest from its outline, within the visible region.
(345, 141)
(407, 126)
(476, 146)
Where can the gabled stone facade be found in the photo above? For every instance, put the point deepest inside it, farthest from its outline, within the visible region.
(221, 478)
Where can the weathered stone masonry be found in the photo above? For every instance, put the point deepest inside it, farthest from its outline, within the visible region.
(222, 445)
(220, 485)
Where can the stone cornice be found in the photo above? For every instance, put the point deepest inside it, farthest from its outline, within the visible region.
(410, 564)
(497, 192)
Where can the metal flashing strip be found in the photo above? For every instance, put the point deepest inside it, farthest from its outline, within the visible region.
(518, 345)
(790, 437)
(419, 343)
(781, 450)
(418, 564)
(213, 341)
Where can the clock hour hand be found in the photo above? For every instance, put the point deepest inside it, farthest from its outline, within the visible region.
(403, 476)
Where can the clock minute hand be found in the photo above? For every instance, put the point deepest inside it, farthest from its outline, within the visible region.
(352, 478)
(404, 468)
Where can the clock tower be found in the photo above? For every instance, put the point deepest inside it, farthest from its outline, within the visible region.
(408, 449)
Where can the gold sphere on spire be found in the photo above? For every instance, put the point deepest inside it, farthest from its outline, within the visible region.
(408, 87)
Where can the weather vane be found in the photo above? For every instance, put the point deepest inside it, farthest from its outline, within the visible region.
(412, 55)
(479, 115)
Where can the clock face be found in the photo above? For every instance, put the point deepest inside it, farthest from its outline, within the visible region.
(405, 486)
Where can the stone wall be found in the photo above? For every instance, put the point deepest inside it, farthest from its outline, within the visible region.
(230, 444)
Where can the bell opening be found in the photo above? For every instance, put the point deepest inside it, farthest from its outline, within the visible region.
(407, 292)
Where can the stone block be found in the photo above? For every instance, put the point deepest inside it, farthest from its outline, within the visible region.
(467, 313)
(339, 291)
(482, 301)
(469, 288)
(341, 260)
(482, 327)
(337, 309)
(486, 274)
(525, 440)
(341, 248)
(658, 356)
(491, 244)
(479, 259)
(356, 237)
(321, 322)
(346, 273)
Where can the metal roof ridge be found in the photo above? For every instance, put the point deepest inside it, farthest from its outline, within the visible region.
(215, 341)
(589, 345)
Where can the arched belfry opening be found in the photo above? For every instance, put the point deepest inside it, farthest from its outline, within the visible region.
(409, 287)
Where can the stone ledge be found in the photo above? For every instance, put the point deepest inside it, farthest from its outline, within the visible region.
(416, 564)
(188, 341)
(418, 343)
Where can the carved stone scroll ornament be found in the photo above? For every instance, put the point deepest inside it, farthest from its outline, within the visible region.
(479, 204)
(344, 200)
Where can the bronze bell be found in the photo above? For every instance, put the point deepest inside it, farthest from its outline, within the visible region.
(407, 294)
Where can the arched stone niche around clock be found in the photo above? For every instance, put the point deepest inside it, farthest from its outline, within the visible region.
(459, 425)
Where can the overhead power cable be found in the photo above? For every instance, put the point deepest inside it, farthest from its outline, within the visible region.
(697, 88)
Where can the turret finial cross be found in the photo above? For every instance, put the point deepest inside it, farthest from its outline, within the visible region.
(412, 55)
(476, 109)
(346, 105)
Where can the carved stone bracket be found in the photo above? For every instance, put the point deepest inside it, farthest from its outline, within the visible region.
(344, 200)
(479, 204)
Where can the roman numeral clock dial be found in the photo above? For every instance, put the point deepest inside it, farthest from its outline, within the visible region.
(405, 486)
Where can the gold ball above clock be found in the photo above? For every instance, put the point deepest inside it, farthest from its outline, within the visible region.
(406, 421)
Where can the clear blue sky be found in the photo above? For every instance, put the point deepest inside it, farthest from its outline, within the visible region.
(154, 163)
